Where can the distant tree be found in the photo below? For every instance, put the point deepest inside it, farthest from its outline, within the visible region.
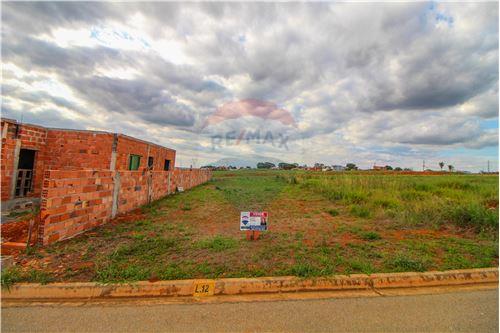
(441, 165)
(265, 165)
(450, 168)
(351, 166)
(398, 169)
(388, 167)
(408, 169)
(249, 167)
(319, 165)
(286, 166)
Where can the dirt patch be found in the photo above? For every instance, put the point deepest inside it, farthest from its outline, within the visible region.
(18, 231)
(426, 233)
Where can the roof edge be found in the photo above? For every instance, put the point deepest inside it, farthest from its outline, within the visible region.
(14, 121)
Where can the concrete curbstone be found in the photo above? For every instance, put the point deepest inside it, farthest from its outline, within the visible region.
(241, 286)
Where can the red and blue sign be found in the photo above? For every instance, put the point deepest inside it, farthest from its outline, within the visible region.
(256, 221)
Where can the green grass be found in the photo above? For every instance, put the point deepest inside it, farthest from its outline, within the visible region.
(413, 200)
(15, 274)
(217, 243)
(195, 234)
(249, 193)
(403, 263)
(360, 211)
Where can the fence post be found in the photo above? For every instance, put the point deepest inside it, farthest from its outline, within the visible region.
(116, 191)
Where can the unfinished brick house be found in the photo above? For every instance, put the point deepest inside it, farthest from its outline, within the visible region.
(84, 178)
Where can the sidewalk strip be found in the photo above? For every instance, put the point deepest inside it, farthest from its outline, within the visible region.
(241, 286)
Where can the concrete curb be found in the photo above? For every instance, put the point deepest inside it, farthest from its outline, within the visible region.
(241, 286)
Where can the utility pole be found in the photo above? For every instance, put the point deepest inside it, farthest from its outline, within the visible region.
(488, 166)
(423, 165)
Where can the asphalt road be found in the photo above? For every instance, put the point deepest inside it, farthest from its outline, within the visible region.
(469, 311)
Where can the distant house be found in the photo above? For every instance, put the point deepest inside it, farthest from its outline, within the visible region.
(378, 167)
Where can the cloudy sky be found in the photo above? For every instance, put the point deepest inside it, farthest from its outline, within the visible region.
(385, 83)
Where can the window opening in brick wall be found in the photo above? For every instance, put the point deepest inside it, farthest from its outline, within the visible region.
(166, 167)
(134, 162)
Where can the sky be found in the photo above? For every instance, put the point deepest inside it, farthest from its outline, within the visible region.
(369, 83)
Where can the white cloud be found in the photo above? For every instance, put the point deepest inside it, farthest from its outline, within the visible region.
(392, 82)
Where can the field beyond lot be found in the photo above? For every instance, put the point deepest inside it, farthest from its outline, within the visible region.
(320, 224)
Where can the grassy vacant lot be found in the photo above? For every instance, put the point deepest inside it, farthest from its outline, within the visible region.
(320, 224)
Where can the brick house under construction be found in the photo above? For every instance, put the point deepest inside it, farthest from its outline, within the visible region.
(28, 150)
(84, 178)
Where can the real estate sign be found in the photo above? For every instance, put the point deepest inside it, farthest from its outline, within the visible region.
(253, 221)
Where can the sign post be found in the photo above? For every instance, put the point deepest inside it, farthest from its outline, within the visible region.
(253, 223)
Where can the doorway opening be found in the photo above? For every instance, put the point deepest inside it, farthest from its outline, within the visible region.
(25, 166)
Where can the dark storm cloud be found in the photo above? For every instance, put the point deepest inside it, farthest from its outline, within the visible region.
(137, 97)
(34, 53)
(39, 17)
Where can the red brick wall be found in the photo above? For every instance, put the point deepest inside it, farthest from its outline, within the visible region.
(159, 186)
(74, 201)
(128, 145)
(160, 154)
(133, 190)
(32, 137)
(178, 178)
(7, 155)
(78, 149)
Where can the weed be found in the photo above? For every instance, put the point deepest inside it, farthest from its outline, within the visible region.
(386, 203)
(357, 266)
(370, 235)
(402, 263)
(360, 211)
(14, 275)
(217, 243)
(473, 216)
(299, 236)
(10, 276)
(333, 212)
(186, 206)
(19, 213)
(147, 248)
(119, 272)
(304, 270)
